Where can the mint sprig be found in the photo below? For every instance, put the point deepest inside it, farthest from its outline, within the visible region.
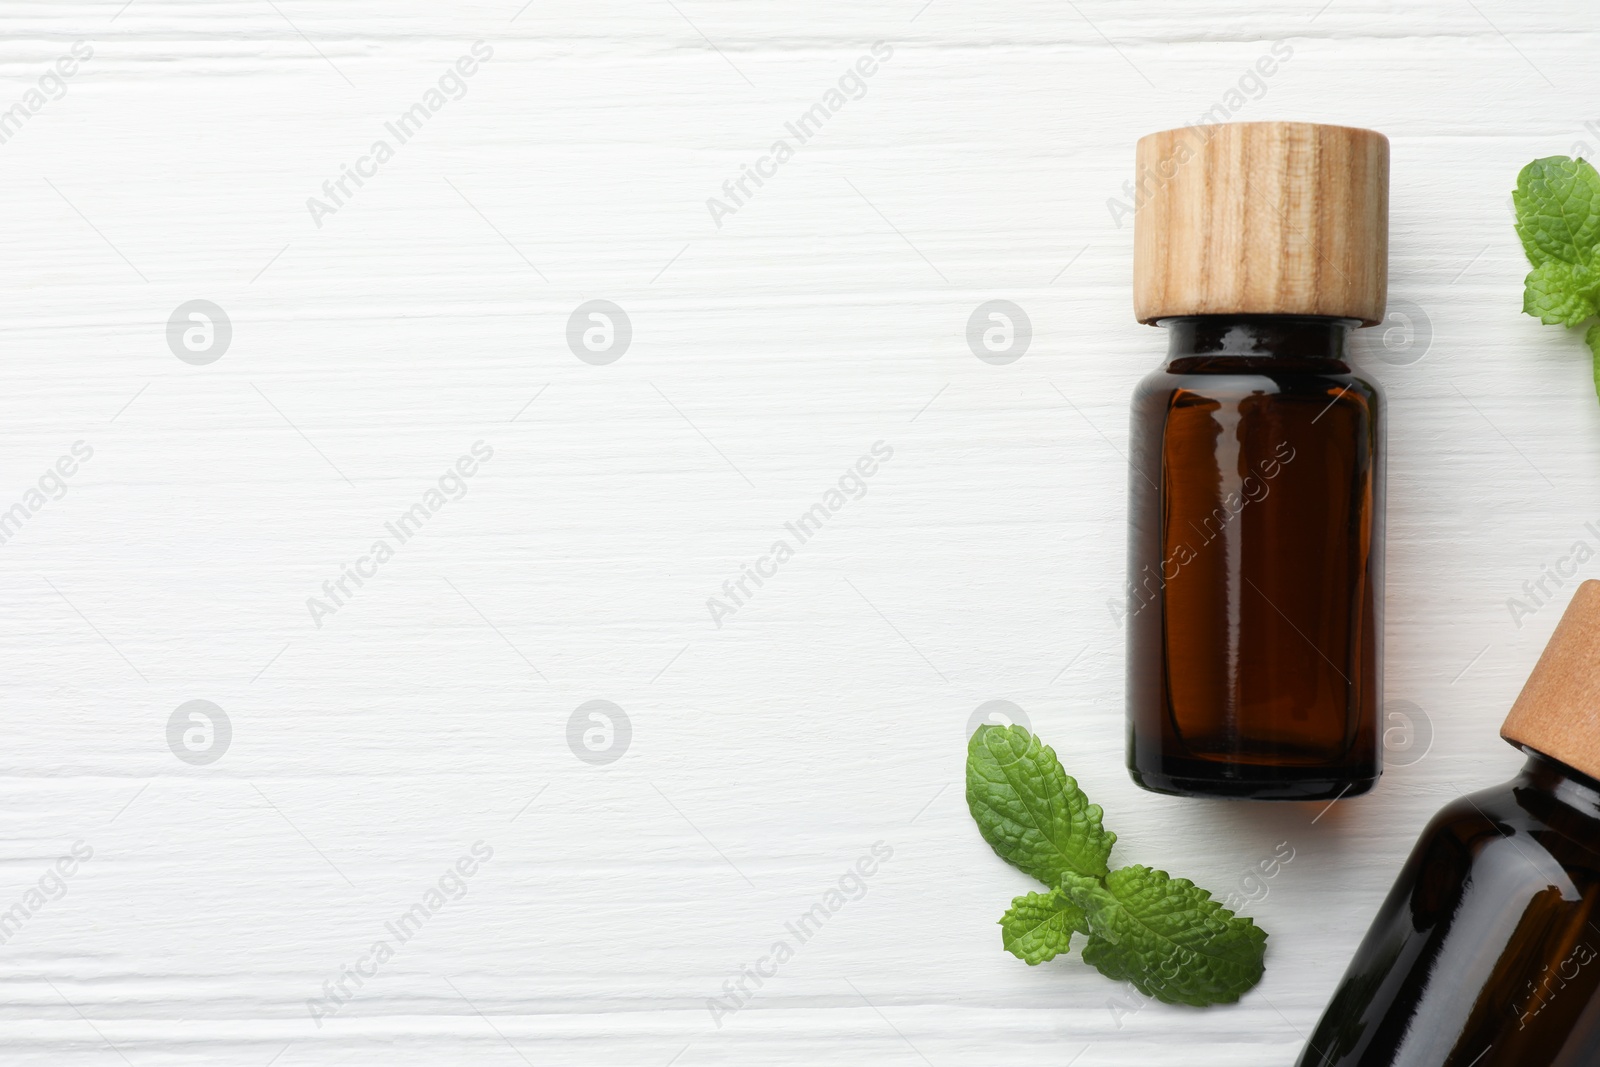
(1163, 934)
(1558, 219)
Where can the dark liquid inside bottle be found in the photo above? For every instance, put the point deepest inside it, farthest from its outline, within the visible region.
(1486, 952)
(1255, 563)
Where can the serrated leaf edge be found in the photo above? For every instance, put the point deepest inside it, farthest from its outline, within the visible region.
(1044, 901)
(1139, 980)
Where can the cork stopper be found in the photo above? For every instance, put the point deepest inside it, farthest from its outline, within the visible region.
(1268, 218)
(1558, 711)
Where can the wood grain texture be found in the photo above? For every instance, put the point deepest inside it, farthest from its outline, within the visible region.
(1556, 711)
(983, 560)
(1268, 218)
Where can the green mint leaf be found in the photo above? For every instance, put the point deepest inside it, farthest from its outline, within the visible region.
(1167, 936)
(1032, 814)
(1561, 293)
(1558, 210)
(1592, 338)
(1039, 926)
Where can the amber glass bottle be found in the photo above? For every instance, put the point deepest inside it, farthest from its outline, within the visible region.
(1255, 557)
(1486, 952)
(1256, 483)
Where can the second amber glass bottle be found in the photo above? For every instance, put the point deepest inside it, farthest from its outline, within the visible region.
(1486, 953)
(1255, 558)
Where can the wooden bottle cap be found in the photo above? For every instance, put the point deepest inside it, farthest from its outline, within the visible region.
(1268, 218)
(1558, 710)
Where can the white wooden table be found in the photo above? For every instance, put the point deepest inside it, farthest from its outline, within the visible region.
(378, 735)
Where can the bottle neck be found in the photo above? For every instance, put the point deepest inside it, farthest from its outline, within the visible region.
(1258, 336)
(1573, 788)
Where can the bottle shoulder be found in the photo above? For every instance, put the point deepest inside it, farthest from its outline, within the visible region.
(1539, 823)
(1205, 381)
